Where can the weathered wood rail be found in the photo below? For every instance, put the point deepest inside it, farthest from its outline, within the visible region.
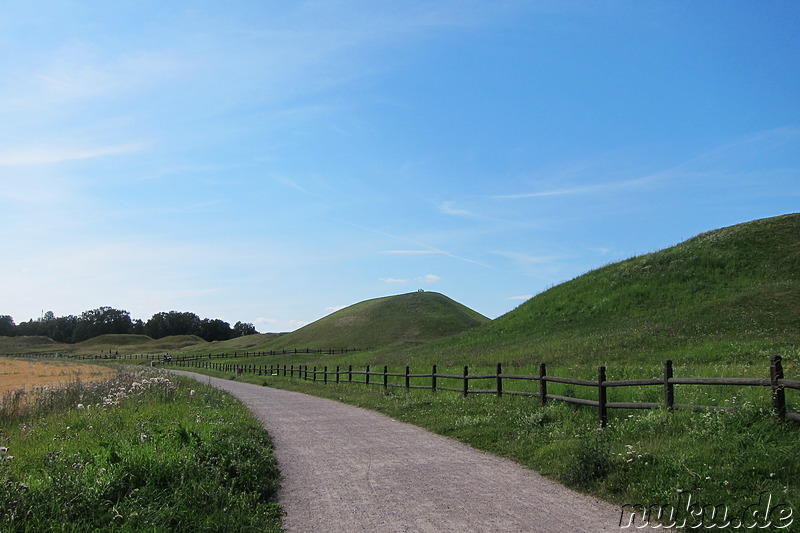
(776, 382)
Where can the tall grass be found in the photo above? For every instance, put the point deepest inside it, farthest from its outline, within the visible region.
(141, 452)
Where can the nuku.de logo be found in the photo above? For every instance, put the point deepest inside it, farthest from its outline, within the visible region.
(689, 514)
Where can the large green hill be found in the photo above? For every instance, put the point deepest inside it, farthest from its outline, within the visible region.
(727, 295)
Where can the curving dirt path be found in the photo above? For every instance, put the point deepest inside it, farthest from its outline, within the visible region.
(347, 469)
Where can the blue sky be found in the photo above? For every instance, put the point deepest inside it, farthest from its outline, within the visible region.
(270, 162)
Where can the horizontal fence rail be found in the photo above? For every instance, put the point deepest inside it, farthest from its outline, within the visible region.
(167, 357)
(433, 382)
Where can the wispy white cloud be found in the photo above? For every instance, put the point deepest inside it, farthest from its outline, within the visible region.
(520, 297)
(82, 71)
(414, 252)
(43, 155)
(528, 258)
(427, 278)
(723, 162)
(581, 190)
(448, 208)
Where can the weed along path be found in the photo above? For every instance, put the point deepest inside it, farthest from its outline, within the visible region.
(347, 469)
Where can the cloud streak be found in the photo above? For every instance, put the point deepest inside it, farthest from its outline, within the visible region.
(46, 155)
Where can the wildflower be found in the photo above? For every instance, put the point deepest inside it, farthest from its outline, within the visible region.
(9, 458)
(80, 406)
(3, 451)
(191, 392)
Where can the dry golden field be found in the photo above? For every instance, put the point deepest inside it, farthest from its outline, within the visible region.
(18, 374)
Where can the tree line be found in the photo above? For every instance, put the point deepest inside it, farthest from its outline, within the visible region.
(104, 320)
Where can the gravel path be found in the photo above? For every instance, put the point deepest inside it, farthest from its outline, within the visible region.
(347, 469)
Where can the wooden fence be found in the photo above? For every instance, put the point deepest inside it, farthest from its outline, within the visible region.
(178, 357)
(776, 382)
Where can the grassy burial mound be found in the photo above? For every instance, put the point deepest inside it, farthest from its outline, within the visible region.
(136, 344)
(247, 343)
(31, 344)
(414, 318)
(729, 295)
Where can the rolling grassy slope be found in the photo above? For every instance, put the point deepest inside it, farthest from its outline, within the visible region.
(728, 297)
(132, 344)
(731, 294)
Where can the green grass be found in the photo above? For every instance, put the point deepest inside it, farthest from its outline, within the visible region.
(641, 457)
(140, 453)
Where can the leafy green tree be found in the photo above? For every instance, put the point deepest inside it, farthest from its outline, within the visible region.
(31, 328)
(215, 330)
(102, 321)
(240, 329)
(62, 328)
(7, 326)
(172, 323)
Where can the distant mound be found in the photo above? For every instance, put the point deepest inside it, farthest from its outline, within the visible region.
(27, 344)
(127, 344)
(176, 342)
(728, 293)
(248, 342)
(413, 318)
(26, 341)
(116, 339)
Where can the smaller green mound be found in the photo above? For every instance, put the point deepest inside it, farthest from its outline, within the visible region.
(112, 339)
(176, 342)
(414, 318)
(26, 341)
(131, 344)
(253, 343)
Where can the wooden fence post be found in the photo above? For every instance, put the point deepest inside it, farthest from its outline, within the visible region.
(315, 374)
(669, 388)
(337, 374)
(499, 381)
(408, 379)
(778, 393)
(326, 375)
(367, 375)
(385, 377)
(466, 383)
(543, 383)
(601, 396)
(433, 379)
(350, 373)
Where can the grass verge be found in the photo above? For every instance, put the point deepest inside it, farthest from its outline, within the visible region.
(728, 462)
(141, 452)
